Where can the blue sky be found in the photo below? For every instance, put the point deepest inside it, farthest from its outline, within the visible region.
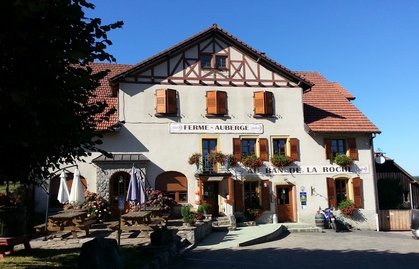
(370, 47)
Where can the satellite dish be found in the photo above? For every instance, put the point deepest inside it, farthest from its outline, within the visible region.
(380, 159)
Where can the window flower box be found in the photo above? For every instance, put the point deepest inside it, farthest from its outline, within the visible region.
(217, 157)
(342, 160)
(281, 160)
(252, 161)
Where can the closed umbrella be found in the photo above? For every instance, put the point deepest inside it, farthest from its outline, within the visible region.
(76, 194)
(133, 194)
(63, 194)
(143, 195)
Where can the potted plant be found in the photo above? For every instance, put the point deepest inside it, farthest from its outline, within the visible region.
(347, 208)
(232, 160)
(188, 216)
(281, 160)
(253, 211)
(194, 158)
(252, 161)
(342, 159)
(204, 208)
(217, 157)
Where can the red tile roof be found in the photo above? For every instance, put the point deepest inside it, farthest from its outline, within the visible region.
(327, 108)
(104, 91)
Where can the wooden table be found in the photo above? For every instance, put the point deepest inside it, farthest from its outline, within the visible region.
(7, 244)
(70, 221)
(135, 218)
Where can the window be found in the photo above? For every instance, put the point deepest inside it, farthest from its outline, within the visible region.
(279, 146)
(208, 146)
(216, 103)
(247, 146)
(251, 192)
(166, 101)
(174, 184)
(340, 145)
(340, 189)
(214, 61)
(263, 103)
(220, 61)
(286, 146)
(206, 61)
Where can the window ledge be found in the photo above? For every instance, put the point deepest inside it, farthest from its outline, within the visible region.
(162, 115)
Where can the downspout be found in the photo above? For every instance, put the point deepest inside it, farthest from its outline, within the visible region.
(377, 216)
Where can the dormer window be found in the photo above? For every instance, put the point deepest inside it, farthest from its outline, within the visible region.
(206, 61)
(220, 61)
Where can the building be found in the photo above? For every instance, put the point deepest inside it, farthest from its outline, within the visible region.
(214, 93)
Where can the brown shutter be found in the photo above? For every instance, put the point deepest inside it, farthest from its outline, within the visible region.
(258, 100)
(353, 152)
(263, 149)
(222, 102)
(357, 192)
(171, 101)
(161, 101)
(331, 192)
(237, 148)
(211, 102)
(294, 149)
(263, 103)
(238, 196)
(269, 103)
(266, 193)
(328, 148)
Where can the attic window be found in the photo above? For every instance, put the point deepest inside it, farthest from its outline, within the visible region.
(214, 61)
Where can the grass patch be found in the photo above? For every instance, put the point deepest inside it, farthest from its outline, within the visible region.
(135, 257)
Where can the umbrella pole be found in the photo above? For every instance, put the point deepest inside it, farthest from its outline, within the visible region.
(46, 210)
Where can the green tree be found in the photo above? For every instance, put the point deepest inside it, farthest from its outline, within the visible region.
(46, 111)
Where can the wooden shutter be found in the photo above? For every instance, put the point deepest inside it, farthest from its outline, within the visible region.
(294, 149)
(357, 192)
(237, 148)
(263, 149)
(238, 196)
(216, 102)
(212, 102)
(222, 102)
(171, 101)
(161, 101)
(353, 152)
(166, 101)
(328, 148)
(263, 103)
(331, 192)
(266, 195)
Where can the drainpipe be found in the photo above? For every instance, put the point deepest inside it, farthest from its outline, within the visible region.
(377, 219)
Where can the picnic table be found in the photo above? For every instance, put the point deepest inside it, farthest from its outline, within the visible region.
(7, 244)
(136, 218)
(68, 220)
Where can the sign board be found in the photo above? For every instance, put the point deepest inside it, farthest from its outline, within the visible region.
(215, 128)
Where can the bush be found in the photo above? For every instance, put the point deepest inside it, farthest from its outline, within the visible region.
(204, 207)
(187, 215)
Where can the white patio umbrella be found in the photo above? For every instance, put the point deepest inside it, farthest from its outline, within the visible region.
(63, 194)
(133, 193)
(76, 194)
(143, 194)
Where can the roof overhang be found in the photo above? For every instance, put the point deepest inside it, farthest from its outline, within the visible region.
(122, 158)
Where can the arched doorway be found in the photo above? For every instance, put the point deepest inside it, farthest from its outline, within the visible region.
(174, 184)
(118, 186)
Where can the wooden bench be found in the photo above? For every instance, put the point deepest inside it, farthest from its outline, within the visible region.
(83, 226)
(144, 228)
(8, 243)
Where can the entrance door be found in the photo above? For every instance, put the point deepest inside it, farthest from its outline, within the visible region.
(211, 196)
(284, 203)
(118, 187)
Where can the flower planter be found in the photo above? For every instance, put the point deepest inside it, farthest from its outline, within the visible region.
(12, 221)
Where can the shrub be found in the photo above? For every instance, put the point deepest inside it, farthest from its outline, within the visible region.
(281, 160)
(204, 207)
(252, 161)
(342, 160)
(347, 207)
